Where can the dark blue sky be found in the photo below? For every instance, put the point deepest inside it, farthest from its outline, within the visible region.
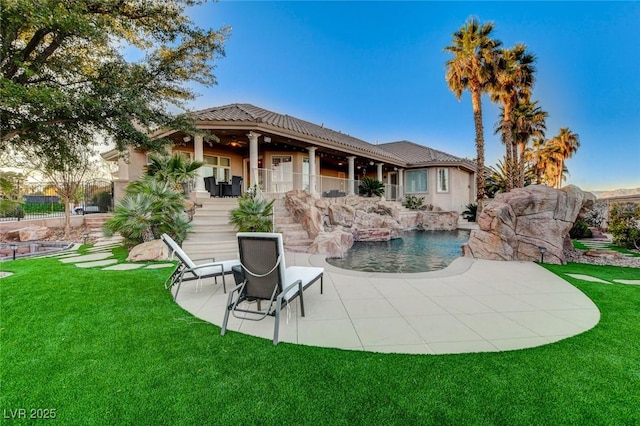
(375, 70)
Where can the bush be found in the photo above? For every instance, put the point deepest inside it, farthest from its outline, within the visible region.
(370, 187)
(624, 225)
(470, 213)
(11, 208)
(580, 230)
(413, 202)
(253, 213)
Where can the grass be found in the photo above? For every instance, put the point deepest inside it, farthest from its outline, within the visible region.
(105, 347)
(581, 246)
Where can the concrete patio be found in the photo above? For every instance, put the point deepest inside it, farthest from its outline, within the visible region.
(471, 306)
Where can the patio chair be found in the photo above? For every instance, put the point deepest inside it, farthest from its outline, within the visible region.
(212, 186)
(267, 279)
(188, 270)
(236, 186)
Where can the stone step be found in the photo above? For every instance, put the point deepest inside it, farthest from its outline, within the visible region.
(285, 220)
(295, 249)
(213, 238)
(284, 227)
(291, 236)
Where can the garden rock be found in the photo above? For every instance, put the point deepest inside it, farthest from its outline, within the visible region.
(29, 233)
(148, 251)
(516, 224)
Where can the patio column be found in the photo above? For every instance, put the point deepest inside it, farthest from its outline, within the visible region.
(198, 153)
(253, 157)
(400, 183)
(351, 160)
(312, 169)
(380, 171)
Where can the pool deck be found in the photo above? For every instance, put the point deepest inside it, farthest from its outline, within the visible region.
(471, 306)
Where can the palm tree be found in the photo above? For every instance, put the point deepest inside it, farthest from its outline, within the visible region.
(471, 68)
(527, 120)
(566, 144)
(512, 84)
(175, 170)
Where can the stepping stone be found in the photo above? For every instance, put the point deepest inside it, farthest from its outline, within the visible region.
(97, 263)
(632, 282)
(87, 258)
(588, 278)
(5, 274)
(123, 267)
(159, 265)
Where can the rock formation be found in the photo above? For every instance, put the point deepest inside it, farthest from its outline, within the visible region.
(150, 250)
(513, 226)
(335, 223)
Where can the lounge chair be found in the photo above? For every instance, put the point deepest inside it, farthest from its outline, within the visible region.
(266, 278)
(188, 270)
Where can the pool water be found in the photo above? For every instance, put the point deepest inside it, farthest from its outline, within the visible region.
(416, 251)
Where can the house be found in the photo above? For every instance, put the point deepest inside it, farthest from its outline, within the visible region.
(279, 153)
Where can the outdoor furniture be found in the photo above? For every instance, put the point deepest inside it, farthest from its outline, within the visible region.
(266, 278)
(236, 186)
(188, 270)
(211, 186)
(225, 189)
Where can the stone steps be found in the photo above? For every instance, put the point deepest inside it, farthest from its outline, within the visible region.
(212, 235)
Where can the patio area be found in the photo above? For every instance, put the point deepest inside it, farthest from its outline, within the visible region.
(471, 306)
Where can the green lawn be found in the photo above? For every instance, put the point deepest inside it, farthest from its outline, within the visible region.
(103, 347)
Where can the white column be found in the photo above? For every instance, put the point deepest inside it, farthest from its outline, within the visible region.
(198, 153)
(351, 160)
(400, 183)
(312, 169)
(380, 171)
(253, 157)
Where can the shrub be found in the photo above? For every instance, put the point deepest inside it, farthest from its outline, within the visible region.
(413, 202)
(370, 187)
(580, 230)
(253, 214)
(470, 213)
(624, 225)
(11, 208)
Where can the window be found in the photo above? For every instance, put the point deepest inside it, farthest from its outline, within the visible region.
(443, 180)
(416, 181)
(219, 167)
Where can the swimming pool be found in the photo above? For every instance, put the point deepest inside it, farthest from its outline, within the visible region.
(416, 251)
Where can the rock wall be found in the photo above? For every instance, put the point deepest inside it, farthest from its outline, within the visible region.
(335, 223)
(513, 226)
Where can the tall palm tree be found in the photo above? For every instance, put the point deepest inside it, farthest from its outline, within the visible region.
(566, 144)
(512, 84)
(528, 121)
(471, 68)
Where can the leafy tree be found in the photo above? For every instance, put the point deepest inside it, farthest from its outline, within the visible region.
(528, 121)
(624, 225)
(253, 214)
(472, 68)
(564, 145)
(64, 77)
(370, 187)
(512, 84)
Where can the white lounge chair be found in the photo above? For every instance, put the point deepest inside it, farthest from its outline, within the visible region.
(188, 270)
(266, 278)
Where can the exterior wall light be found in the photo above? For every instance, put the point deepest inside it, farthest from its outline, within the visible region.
(14, 248)
(543, 250)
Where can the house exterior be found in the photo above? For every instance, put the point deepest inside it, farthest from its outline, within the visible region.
(278, 153)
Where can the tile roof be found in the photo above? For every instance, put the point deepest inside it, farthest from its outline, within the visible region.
(418, 155)
(251, 113)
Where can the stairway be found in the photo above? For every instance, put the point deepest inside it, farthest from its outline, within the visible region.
(93, 224)
(294, 236)
(212, 235)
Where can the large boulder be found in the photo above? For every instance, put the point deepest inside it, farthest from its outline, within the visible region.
(148, 251)
(332, 244)
(516, 224)
(29, 233)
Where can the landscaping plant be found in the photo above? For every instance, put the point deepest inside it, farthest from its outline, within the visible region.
(624, 225)
(370, 187)
(253, 214)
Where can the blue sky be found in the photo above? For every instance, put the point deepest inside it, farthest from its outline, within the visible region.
(375, 70)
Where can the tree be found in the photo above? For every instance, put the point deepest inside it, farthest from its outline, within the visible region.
(176, 170)
(253, 214)
(565, 144)
(512, 84)
(624, 225)
(64, 77)
(471, 68)
(528, 121)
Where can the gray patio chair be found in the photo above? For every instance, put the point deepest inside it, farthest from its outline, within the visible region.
(267, 279)
(188, 270)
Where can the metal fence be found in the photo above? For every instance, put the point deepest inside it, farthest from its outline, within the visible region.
(41, 201)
